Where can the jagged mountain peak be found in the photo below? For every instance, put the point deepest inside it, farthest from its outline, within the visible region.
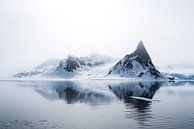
(142, 52)
(136, 64)
(140, 45)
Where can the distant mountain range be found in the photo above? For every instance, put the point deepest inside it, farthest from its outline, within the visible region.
(137, 65)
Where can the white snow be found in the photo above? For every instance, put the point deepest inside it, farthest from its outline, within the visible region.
(99, 68)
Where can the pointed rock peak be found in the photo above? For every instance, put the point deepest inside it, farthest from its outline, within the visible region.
(141, 51)
(140, 46)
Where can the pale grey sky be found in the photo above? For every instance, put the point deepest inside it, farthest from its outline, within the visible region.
(32, 31)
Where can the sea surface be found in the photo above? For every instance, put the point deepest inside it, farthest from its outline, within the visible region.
(96, 105)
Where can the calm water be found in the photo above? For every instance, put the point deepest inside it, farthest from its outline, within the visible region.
(96, 105)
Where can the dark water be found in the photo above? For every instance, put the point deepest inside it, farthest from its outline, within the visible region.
(96, 105)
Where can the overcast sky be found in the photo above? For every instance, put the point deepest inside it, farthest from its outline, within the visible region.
(32, 31)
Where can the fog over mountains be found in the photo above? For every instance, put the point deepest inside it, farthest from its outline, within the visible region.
(137, 65)
(70, 67)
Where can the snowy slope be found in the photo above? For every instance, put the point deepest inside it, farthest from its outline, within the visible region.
(42, 69)
(94, 65)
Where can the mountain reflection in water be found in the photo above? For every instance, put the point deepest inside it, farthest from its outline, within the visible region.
(73, 92)
(135, 108)
(138, 109)
(104, 104)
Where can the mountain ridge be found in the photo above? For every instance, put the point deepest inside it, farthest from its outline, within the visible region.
(137, 64)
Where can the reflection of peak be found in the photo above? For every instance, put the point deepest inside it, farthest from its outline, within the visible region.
(136, 89)
(126, 91)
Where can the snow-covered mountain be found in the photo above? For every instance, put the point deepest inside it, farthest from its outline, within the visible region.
(69, 67)
(136, 65)
(72, 63)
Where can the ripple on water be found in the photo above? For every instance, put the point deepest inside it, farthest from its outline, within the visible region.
(25, 124)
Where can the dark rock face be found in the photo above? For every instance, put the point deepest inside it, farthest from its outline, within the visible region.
(72, 63)
(137, 64)
(66, 68)
(142, 53)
